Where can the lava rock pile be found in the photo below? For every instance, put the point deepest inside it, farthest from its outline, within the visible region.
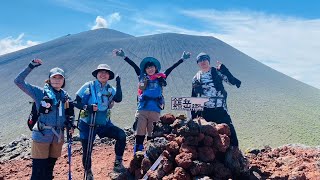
(189, 149)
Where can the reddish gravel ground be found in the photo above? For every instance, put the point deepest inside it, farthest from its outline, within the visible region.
(103, 158)
(287, 162)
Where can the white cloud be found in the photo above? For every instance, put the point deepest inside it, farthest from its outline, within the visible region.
(10, 44)
(100, 23)
(103, 23)
(114, 17)
(287, 44)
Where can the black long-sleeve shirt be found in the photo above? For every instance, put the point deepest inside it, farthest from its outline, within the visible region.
(138, 70)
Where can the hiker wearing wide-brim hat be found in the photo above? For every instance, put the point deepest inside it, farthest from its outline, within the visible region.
(95, 99)
(147, 61)
(150, 98)
(104, 67)
(51, 104)
(208, 82)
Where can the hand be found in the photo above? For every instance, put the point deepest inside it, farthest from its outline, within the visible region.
(238, 83)
(118, 79)
(35, 63)
(218, 65)
(162, 82)
(119, 52)
(185, 55)
(92, 108)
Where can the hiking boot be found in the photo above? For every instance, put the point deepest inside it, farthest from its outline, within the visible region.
(118, 166)
(89, 175)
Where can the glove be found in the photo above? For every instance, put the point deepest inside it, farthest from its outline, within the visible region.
(35, 63)
(185, 55)
(118, 79)
(119, 53)
(162, 82)
(238, 83)
(69, 123)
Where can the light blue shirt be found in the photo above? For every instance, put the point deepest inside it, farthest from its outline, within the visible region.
(93, 92)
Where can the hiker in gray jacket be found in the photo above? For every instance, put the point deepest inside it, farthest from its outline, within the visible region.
(47, 134)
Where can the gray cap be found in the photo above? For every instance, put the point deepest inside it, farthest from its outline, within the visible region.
(103, 67)
(56, 71)
(203, 56)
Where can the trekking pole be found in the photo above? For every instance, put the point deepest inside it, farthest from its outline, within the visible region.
(69, 137)
(90, 143)
(69, 126)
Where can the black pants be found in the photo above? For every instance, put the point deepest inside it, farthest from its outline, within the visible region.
(43, 169)
(110, 131)
(219, 115)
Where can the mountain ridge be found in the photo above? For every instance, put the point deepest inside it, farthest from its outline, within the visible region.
(270, 108)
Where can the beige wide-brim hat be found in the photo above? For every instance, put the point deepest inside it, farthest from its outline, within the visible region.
(103, 67)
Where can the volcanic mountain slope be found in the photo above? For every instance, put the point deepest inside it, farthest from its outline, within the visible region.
(269, 108)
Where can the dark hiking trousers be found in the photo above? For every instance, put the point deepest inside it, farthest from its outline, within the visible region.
(110, 131)
(51, 163)
(219, 115)
(42, 169)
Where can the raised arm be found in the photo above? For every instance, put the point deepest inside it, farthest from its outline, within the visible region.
(135, 67)
(228, 76)
(118, 96)
(29, 89)
(185, 55)
(121, 53)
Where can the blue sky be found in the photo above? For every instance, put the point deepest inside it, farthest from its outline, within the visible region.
(284, 35)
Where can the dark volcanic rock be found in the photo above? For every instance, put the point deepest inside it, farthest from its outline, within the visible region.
(155, 147)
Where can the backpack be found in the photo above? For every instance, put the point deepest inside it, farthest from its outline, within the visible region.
(216, 80)
(33, 116)
(143, 83)
(86, 97)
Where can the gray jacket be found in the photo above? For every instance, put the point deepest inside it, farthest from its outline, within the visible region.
(52, 119)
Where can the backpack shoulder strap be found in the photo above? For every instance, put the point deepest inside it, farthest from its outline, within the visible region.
(34, 108)
(198, 75)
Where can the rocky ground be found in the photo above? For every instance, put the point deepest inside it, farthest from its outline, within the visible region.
(294, 162)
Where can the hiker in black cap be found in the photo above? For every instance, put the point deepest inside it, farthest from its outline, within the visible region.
(47, 134)
(208, 83)
(150, 98)
(95, 99)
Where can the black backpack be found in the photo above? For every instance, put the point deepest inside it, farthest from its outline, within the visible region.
(33, 116)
